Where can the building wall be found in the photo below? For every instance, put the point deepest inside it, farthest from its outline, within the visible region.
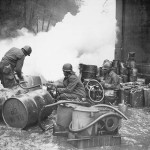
(133, 20)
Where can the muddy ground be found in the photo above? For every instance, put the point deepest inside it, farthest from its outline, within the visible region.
(135, 134)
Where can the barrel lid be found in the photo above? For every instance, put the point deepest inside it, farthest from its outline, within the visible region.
(86, 109)
(14, 113)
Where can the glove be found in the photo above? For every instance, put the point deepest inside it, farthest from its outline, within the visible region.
(21, 77)
(60, 90)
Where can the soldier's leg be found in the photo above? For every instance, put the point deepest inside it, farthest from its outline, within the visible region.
(66, 96)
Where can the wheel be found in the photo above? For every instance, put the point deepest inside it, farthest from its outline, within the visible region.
(95, 91)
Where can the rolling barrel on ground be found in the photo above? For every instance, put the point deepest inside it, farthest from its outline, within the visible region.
(22, 110)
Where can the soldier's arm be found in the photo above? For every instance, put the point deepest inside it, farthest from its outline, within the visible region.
(18, 68)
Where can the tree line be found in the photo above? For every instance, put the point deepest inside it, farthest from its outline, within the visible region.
(35, 15)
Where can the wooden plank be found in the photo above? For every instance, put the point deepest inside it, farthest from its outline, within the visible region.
(96, 141)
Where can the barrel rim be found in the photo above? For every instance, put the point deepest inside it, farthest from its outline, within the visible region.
(23, 106)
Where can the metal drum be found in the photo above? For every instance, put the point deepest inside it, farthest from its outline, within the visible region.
(32, 81)
(81, 117)
(64, 115)
(89, 71)
(6, 93)
(22, 110)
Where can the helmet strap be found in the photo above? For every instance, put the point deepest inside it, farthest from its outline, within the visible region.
(25, 53)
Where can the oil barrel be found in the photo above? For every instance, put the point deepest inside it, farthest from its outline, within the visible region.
(89, 71)
(83, 116)
(22, 110)
(64, 114)
(32, 81)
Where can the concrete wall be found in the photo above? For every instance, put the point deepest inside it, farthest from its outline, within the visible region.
(133, 19)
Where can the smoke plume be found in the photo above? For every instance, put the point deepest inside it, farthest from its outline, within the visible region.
(89, 38)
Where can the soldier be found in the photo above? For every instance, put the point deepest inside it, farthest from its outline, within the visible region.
(11, 63)
(111, 79)
(111, 84)
(72, 87)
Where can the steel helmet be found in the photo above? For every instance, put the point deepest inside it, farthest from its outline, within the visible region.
(106, 60)
(67, 67)
(27, 49)
(107, 65)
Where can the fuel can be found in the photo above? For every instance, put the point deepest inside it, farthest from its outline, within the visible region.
(137, 97)
(146, 97)
(125, 94)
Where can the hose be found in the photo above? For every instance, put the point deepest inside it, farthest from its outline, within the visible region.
(80, 103)
(26, 88)
(92, 123)
(108, 106)
(31, 87)
(54, 104)
(91, 89)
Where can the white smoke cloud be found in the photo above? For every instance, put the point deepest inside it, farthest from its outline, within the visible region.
(89, 38)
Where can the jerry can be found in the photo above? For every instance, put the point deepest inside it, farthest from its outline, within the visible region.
(125, 95)
(146, 97)
(137, 97)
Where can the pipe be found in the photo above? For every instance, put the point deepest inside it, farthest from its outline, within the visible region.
(81, 103)
(108, 106)
(92, 123)
(26, 88)
(54, 104)
(31, 87)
